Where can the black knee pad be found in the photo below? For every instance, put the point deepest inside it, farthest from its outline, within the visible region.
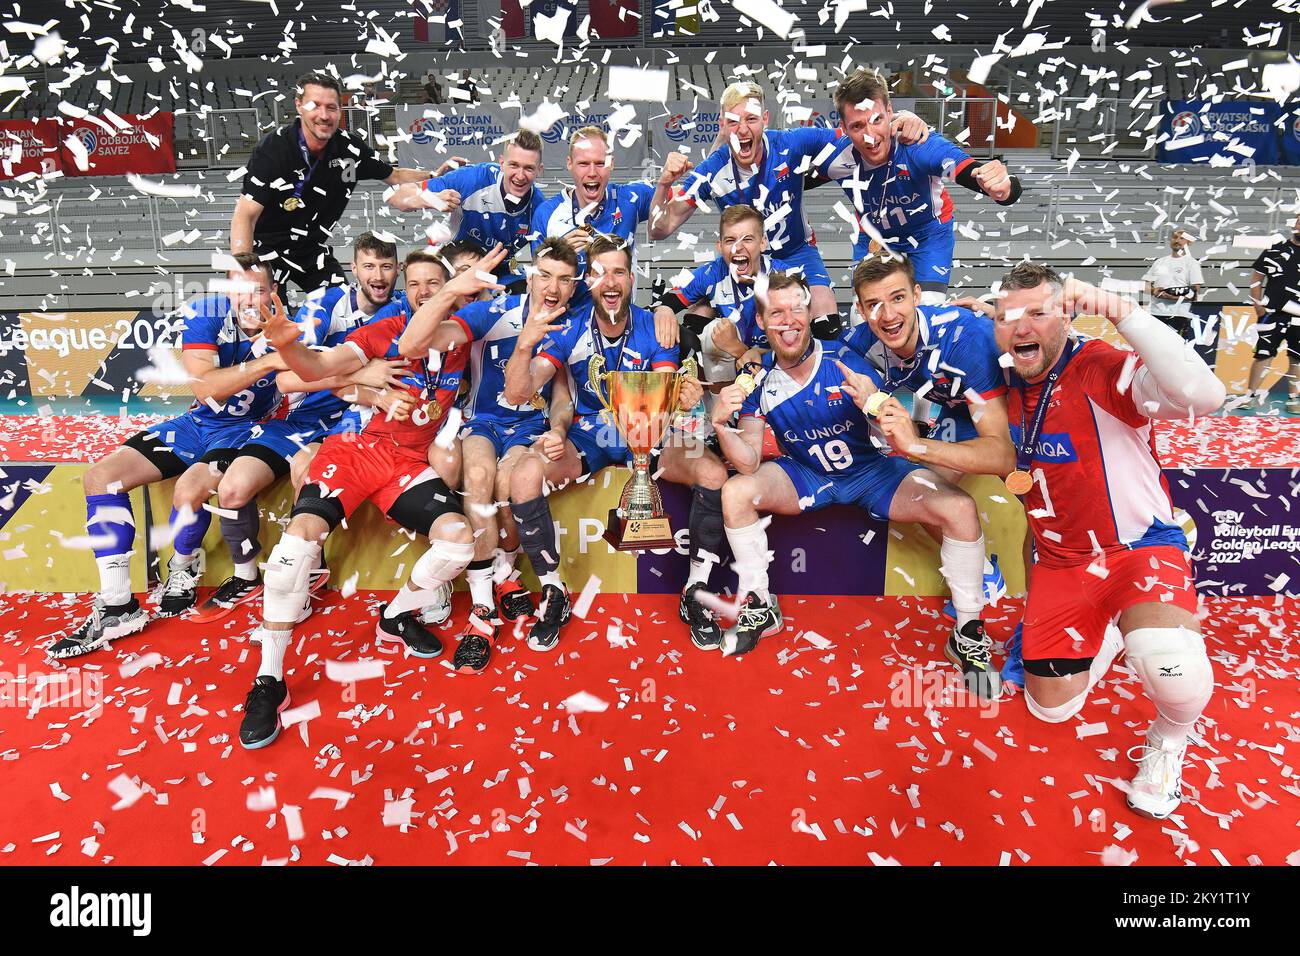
(1057, 666)
(312, 500)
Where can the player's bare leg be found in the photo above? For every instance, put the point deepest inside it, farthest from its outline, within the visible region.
(528, 480)
(995, 585)
(685, 461)
(927, 499)
(745, 499)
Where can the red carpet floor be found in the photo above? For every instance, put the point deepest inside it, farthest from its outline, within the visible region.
(800, 753)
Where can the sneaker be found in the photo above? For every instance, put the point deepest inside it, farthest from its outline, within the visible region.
(1157, 790)
(757, 619)
(705, 632)
(514, 600)
(995, 588)
(262, 707)
(553, 613)
(475, 648)
(404, 628)
(233, 592)
(105, 625)
(436, 613)
(181, 590)
(1013, 669)
(970, 649)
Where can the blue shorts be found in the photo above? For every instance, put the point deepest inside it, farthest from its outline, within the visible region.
(809, 260)
(871, 487)
(598, 443)
(287, 436)
(504, 435)
(953, 424)
(176, 444)
(929, 249)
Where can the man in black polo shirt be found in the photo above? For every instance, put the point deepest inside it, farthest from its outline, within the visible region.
(1275, 294)
(297, 184)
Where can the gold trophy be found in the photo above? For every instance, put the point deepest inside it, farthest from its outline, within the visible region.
(641, 406)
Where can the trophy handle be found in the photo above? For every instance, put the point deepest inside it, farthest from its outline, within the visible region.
(688, 368)
(599, 380)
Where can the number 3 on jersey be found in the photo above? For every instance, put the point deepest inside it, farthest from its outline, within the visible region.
(832, 456)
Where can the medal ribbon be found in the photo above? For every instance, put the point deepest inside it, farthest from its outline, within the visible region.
(1029, 437)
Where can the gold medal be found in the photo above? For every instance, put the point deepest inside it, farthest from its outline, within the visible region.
(290, 204)
(1019, 482)
(537, 401)
(875, 402)
(433, 409)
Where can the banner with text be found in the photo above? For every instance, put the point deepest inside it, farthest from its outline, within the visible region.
(1229, 133)
(29, 146)
(104, 146)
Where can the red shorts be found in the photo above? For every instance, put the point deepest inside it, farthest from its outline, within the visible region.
(1069, 608)
(353, 469)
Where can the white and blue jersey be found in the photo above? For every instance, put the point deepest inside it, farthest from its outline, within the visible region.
(905, 201)
(775, 189)
(732, 300)
(829, 454)
(625, 206)
(571, 349)
(484, 216)
(956, 357)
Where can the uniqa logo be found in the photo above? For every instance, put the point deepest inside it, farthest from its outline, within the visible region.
(673, 128)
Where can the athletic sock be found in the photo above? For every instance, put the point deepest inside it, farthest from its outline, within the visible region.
(246, 570)
(707, 533)
(552, 578)
(240, 534)
(962, 564)
(438, 566)
(749, 545)
(275, 644)
(537, 534)
(112, 534)
(479, 576)
(503, 563)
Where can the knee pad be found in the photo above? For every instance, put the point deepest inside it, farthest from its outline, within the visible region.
(288, 572)
(1058, 714)
(1173, 665)
(441, 563)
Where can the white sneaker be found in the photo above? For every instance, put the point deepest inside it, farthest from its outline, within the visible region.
(1157, 790)
(436, 613)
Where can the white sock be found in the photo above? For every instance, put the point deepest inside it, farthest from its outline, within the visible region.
(551, 577)
(749, 545)
(178, 560)
(246, 570)
(439, 565)
(115, 578)
(503, 563)
(962, 564)
(480, 586)
(699, 573)
(275, 644)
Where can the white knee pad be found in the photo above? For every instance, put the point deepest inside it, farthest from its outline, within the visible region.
(441, 563)
(1058, 714)
(288, 571)
(1174, 668)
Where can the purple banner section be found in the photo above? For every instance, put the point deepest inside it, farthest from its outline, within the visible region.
(1247, 536)
(837, 550)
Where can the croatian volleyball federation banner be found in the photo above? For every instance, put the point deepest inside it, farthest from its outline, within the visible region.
(115, 146)
(476, 132)
(29, 146)
(1230, 133)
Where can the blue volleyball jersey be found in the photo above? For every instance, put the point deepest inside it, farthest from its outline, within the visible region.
(573, 346)
(328, 316)
(817, 423)
(625, 206)
(776, 188)
(492, 328)
(732, 300)
(905, 195)
(210, 326)
(482, 216)
(955, 354)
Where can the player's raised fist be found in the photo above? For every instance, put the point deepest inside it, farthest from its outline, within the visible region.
(909, 128)
(442, 201)
(726, 404)
(726, 337)
(1081, 298)
(690, 394)
(276, 325)
(994, 179)
(676, 165)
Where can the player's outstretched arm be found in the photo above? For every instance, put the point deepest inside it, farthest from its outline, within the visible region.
(293, 355)
(428, 331)
(1174, 381)
(378, 373)
(558, 419)
(667, 212)
(210, 383)
(243, 221)
(743, 446)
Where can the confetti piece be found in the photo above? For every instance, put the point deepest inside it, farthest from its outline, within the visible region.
(125, 789)
(631, 83)
(584, 703)
(133, 667)
(348, 672)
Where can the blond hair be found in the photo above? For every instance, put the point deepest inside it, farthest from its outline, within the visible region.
(588, 132)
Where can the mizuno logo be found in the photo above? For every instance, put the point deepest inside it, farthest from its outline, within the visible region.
(1171, 671)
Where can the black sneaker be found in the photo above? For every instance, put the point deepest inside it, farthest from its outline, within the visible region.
(181, 591)
(705, 632)
(105, 624)
(475, 648)
(233, 592)
(971, 650)
(554, 611)
(419, 640)
(514, 600)
(758, 619)
(262, 707)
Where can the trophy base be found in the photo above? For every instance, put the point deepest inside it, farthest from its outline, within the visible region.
(638, 534)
